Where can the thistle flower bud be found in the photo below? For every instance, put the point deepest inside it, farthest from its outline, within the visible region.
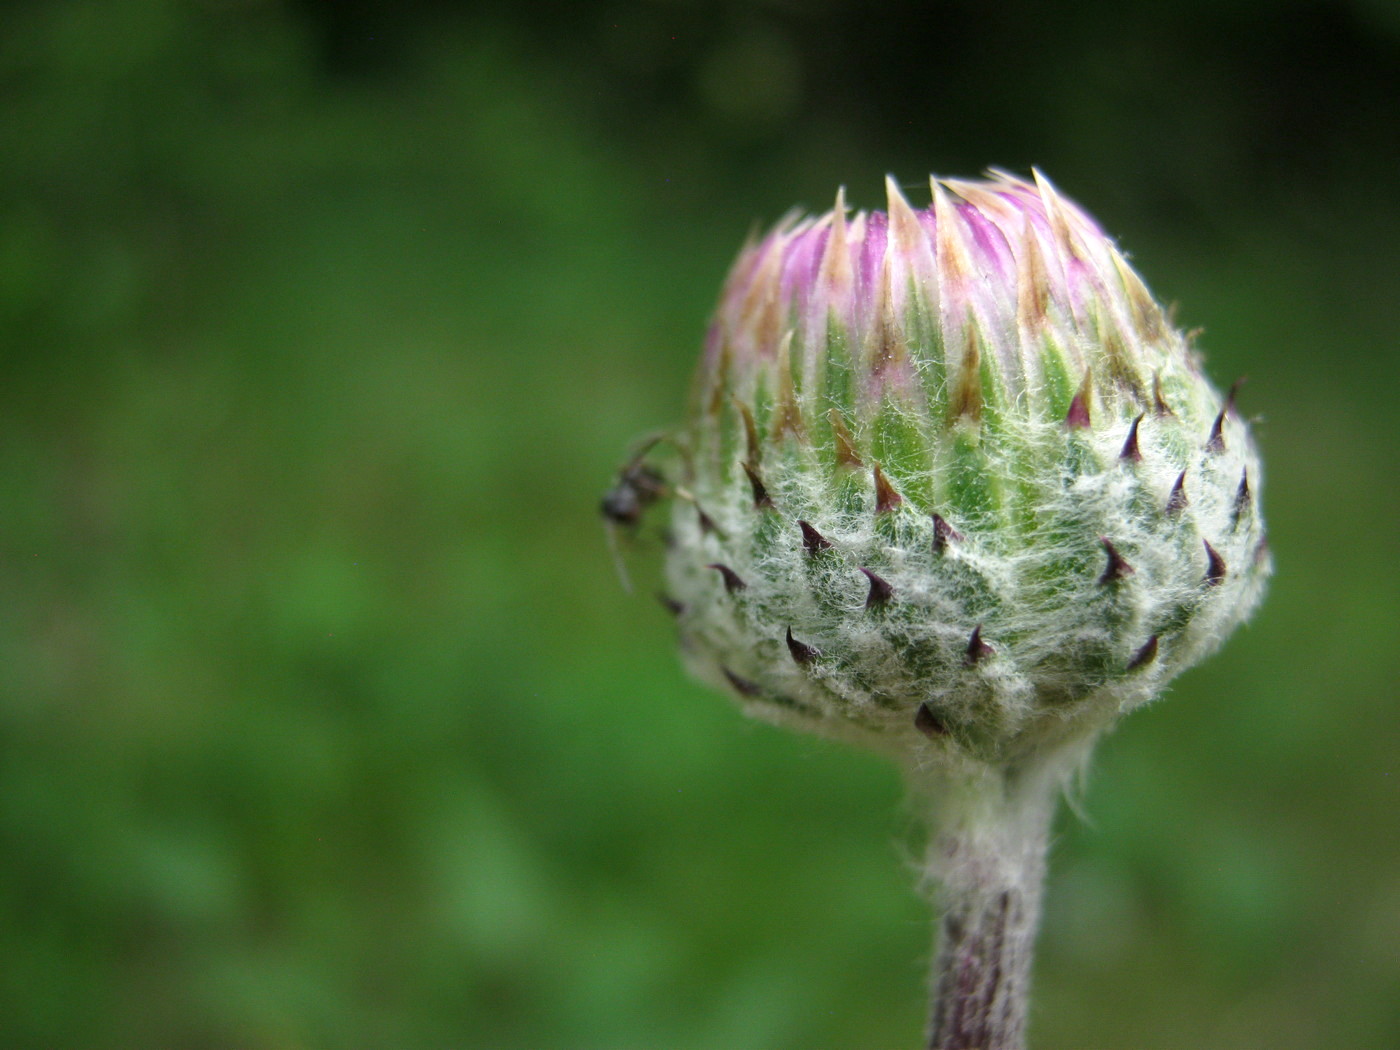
(952, 482)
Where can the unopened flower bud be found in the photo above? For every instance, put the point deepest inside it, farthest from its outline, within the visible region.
(953, 481)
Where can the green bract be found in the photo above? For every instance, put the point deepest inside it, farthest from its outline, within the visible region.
(951, 482)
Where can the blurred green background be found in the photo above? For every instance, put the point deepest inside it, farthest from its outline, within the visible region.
(324, 721)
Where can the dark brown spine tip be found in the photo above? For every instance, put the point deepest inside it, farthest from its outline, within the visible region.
(978, 650)
(886, 498)
(944, 534)
(801, 653)
(928, 723)
(1215, 566)
(1159, 403)
(1077, 418)
(1145, 655)
(1117, 567)
(880, 590)
(1243, 497)
(1216, 441)
(1176, 502)
(761, 499)
(813, 540)
(1131, 453)
(755, 450)
(846, 454)
(670, 604)
(732, 580)
(1230, 396)
(707, 523)
(742, 686)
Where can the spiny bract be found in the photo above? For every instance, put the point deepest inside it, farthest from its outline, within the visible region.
(951, 480)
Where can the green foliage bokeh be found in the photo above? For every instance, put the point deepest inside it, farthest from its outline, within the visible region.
(324, 721)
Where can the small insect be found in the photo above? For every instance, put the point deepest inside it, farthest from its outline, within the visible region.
(638, 486)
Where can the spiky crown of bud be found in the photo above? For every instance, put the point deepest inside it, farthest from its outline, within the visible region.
(951, 479)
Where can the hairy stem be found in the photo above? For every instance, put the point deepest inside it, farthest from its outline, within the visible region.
(988, 856)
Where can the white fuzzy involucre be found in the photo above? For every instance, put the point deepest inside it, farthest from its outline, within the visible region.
(1026, 509)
